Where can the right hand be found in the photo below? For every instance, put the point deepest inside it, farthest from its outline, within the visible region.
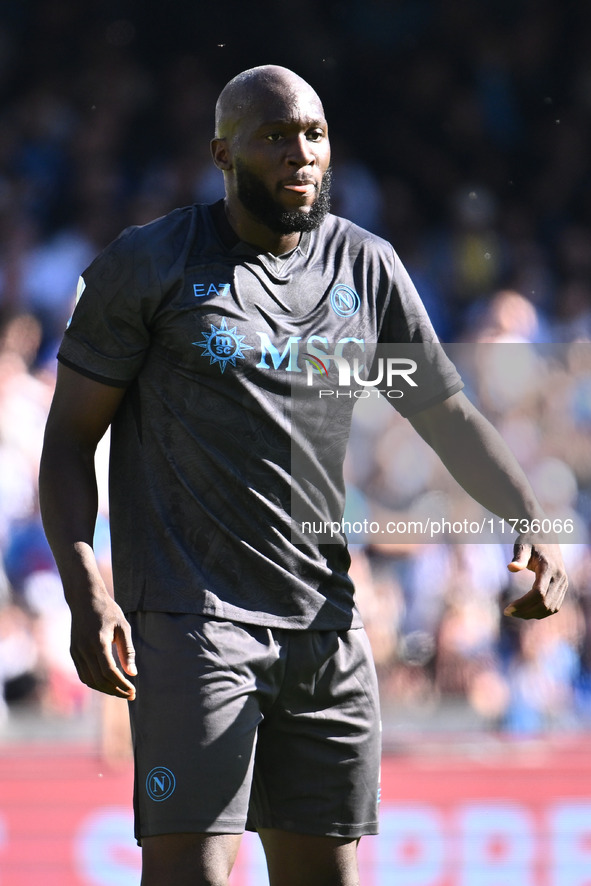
(98, 624)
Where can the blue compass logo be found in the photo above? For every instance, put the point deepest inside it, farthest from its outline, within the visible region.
(223, 345)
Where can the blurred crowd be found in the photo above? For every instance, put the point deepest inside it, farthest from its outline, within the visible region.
(433, 603)
(459, 133)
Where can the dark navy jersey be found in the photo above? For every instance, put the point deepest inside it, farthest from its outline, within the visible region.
(228, 356)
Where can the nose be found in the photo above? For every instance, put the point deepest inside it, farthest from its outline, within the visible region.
(301, 151)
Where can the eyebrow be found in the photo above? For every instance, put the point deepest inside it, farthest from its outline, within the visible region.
(291, 121)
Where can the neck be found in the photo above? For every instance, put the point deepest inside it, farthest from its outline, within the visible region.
(254, 232)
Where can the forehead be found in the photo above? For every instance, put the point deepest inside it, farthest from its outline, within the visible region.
(283, 105)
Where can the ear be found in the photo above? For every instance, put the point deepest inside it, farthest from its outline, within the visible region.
(221, 154)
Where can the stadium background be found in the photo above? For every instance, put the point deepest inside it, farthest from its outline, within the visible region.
(460, 132)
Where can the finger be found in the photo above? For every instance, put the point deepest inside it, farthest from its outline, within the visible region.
(113, 675)
(537, 605)
(535, 610)
(526, 557)
(555, 594)
(521, 557)
(524, 607)
(98, 670)
(125, 649)
(94, 679)
(550, 581)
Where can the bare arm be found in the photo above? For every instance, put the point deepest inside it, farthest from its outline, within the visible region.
(479, 459)
(81, 412)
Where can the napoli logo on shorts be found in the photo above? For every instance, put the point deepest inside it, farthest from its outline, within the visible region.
(160, 783)
(223, 345)
(344, 301)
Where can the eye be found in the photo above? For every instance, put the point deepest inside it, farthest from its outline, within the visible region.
(274, 137)
(315, 135)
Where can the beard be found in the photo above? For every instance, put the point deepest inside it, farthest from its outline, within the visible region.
(259, 201)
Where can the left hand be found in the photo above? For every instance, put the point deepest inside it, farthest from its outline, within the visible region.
(547, 593)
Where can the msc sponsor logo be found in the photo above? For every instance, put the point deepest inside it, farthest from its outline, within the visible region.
(288, 358)
(160, 783)
(223, 345)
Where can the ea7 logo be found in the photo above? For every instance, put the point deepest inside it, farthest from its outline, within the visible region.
(208, 290)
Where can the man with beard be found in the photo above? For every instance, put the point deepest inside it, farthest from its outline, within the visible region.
(254, 699)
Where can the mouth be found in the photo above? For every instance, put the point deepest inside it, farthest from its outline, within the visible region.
(300, 186)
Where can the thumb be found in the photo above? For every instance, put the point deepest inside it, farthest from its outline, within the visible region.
(521, 557)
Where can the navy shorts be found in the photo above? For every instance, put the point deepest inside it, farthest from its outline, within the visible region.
(237, 725)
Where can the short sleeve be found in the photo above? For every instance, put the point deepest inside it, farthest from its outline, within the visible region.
(417, 371)
(109, 334)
